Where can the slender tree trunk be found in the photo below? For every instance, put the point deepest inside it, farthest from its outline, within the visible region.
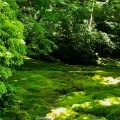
(91, 16)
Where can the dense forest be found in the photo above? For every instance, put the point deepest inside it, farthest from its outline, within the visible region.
(65, 36)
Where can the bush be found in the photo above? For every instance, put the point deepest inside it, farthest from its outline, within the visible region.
(12, 48)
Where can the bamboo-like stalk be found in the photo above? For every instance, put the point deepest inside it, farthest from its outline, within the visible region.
(91, 16)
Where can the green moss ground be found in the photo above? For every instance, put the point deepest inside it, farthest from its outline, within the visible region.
(65, 92)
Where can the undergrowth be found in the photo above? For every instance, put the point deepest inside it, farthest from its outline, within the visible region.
(64, 92)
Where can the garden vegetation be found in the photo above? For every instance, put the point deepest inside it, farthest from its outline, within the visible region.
(59, 59)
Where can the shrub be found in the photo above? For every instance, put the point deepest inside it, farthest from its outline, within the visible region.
(12, 47)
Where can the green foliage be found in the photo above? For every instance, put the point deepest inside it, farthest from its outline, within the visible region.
(111, 10)
(66, 25)
(36, 41)
(12, 49)
(3, 89)
(35, 34)
(82, 31)
(22, 115)
(12, 46)
(6, 98)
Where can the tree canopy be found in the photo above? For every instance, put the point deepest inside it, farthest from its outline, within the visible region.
(71, 28)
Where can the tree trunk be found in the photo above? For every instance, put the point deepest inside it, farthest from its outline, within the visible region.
(91, 16)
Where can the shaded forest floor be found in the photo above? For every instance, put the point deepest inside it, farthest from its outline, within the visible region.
(65, 92)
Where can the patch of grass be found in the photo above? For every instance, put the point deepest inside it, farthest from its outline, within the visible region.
(65, 92)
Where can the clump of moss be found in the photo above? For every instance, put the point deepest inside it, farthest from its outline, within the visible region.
(114, 113)
(89, 117)
(62, 114)
(22, 115)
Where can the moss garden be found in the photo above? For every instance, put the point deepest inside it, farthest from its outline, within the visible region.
(57, 91)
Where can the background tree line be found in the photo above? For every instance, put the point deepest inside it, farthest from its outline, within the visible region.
(73, 31)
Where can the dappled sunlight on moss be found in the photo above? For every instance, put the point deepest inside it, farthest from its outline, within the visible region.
(118, 78)
(81, 102)
(27, 58)
(110, 80)
(74, 97)
(84, 105)
(97, 77)
(118, 63)
(62, 114)
(109, 101)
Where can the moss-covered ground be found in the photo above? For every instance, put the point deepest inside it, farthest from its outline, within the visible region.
(65, 92)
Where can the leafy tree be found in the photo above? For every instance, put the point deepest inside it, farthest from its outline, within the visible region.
(82, 28)
(109, 24)
(12, 45)
(35, 34)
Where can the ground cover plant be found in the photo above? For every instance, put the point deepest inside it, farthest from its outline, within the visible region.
(65, 92)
